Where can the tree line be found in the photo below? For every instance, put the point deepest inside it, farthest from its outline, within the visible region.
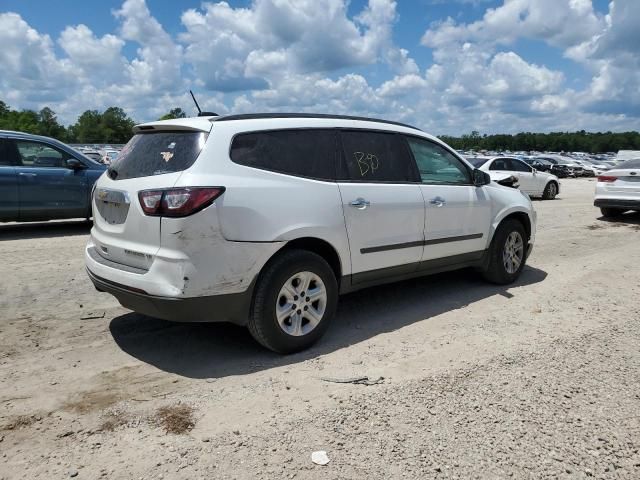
(581, 141)
(113, 125)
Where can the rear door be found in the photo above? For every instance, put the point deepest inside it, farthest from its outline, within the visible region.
(150, 161)
(47, 188)
(9, 205)
(382, 203)
(527, 179)
(457, 214)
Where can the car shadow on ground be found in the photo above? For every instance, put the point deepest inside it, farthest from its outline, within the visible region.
(23, 231)
(215, 350)
(629, 218)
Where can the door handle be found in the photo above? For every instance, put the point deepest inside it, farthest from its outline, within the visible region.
(438, 201)
(360, 203)
(25, 174)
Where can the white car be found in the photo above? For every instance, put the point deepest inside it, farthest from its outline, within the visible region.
(531, 181)
(265, 219)
(618, 189)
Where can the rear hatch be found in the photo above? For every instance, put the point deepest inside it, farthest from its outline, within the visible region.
(153, 159)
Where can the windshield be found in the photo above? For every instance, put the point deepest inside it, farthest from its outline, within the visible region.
(155, 153)
(477, 162)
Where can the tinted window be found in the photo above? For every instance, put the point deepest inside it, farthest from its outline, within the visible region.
(36, 154)
(6, 153)
(307, 153)
(149, 154)
(500, 164)
(376, 157)
(518, 166)
(437, 165)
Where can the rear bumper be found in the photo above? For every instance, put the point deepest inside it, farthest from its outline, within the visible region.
(617, 203)
(233, 307)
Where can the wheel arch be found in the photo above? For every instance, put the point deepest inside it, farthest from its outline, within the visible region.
(318, 246)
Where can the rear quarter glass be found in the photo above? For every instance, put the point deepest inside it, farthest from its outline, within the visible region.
(156, 153)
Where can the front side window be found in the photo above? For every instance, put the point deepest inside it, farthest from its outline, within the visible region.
(306, 153)
(437, 165)
(40, 155)
(376, 157)
(518, 166)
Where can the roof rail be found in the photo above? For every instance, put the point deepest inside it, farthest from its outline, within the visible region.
(255, 116)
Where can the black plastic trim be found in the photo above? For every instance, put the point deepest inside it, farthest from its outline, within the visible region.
(232, 307)
(382, 276)
(435, 241)
(614, 203)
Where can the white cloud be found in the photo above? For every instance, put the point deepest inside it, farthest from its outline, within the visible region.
(318, 56)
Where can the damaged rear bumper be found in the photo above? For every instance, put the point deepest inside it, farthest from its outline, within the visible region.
(233, 307)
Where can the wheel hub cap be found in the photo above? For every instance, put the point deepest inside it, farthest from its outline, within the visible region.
(513, 252)
(301, 303)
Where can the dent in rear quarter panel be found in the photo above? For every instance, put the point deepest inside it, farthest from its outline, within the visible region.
(205, 262)
(262, 206)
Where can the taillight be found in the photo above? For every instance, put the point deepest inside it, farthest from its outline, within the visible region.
(178, 202)
(606, 178)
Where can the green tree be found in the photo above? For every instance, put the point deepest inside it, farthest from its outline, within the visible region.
(174, 113)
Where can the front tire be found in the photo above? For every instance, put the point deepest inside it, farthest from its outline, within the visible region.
(550, 191)
(507, 253)
(295, 301)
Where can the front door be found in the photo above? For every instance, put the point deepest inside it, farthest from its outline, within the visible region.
(457, 214)
(47, 188)
(382, 203)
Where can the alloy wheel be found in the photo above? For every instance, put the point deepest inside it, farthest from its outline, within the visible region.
(513, 252)
(301, 303)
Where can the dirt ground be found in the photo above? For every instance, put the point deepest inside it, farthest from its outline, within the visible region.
(537, 380)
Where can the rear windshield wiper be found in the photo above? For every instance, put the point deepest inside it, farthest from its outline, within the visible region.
(112, 172)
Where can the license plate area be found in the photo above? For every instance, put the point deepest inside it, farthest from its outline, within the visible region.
(112, 205)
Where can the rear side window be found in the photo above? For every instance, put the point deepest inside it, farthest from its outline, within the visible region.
(376, 157)
(149, 154)
(305, 153)
(500, 164)
(6, 153)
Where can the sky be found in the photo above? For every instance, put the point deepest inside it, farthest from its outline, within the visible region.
(448, 67)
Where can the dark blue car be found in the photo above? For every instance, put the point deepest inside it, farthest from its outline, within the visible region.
(43, 179)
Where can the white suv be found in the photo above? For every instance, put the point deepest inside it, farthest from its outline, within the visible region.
(264, 220)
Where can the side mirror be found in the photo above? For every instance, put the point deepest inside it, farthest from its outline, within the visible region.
(481, 178)
(74, 164)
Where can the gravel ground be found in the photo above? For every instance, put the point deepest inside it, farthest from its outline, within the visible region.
(537, 380)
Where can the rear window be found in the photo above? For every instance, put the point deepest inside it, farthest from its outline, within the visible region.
(477, 162)
(155, 153)
(630, 164)
(304, 153)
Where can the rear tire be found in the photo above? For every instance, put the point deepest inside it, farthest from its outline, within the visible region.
(550, 191)
(285, 316)
(610, 212)
(507, 253)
